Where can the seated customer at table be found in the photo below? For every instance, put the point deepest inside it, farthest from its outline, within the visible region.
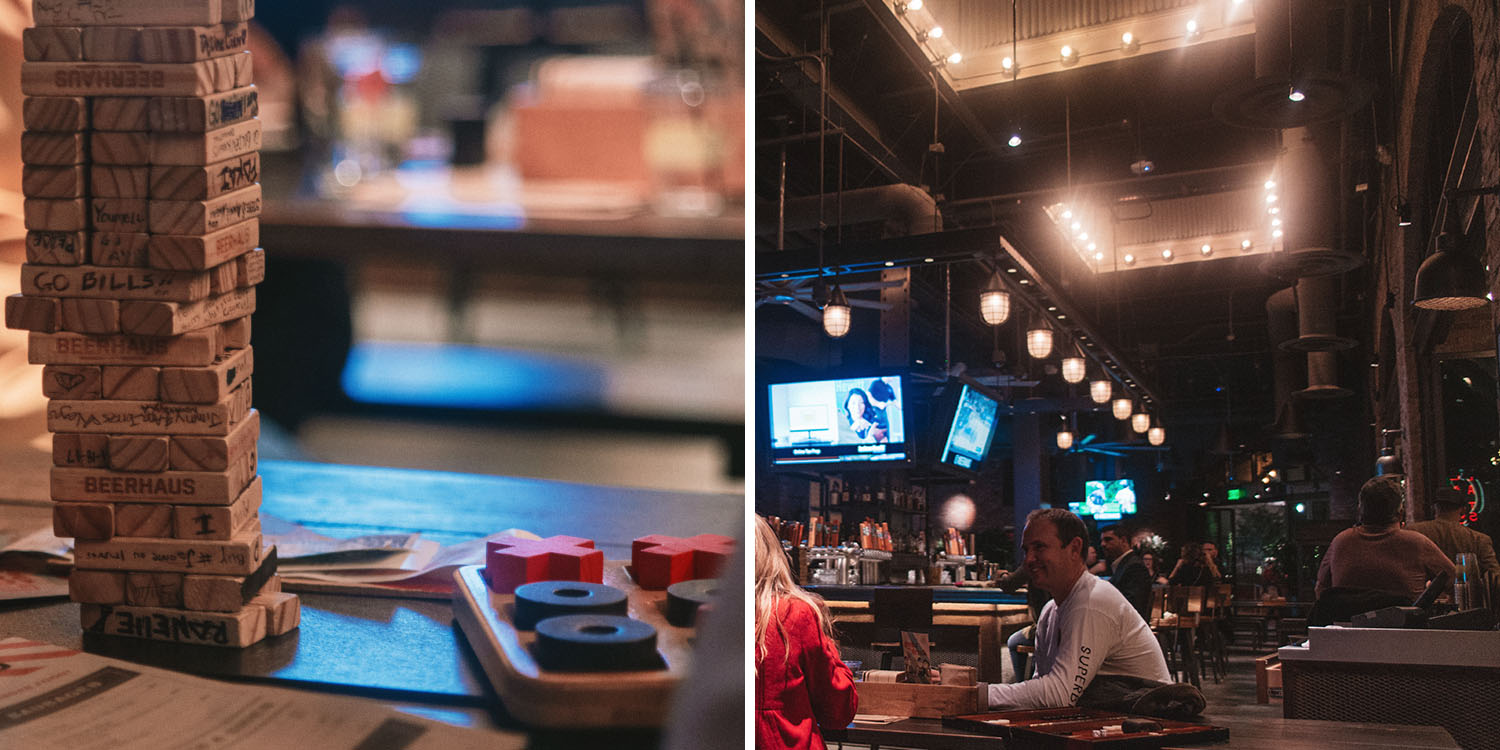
(1446, 530)
(1036, 598)
(1379, 555)
(1127, 572)
(1194, 568)
(1092, 647)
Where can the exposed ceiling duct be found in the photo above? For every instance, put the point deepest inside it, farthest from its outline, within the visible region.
(1297, 81)
(1309, 211)
(906, 210)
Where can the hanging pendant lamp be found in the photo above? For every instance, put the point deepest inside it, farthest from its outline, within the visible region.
(1100, 390)
(836, 317)
(1122, 408)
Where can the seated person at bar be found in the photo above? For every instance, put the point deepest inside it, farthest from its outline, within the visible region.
(1092, 647)
(1036, 598)
(1446, 530)
(1127, 572)
(1194, 568)
(1379, 555)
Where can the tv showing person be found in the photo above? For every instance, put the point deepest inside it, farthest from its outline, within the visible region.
(866, 422)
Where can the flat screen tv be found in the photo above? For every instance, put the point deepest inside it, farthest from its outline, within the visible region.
(1106, 501)
(838, 421)
(972, 430)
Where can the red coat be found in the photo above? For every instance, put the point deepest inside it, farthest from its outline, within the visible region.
(794, 696)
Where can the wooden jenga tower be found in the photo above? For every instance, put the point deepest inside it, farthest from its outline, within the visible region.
(141, 181)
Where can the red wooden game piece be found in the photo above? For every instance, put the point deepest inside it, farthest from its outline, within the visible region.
(512, 561)
(658, 561)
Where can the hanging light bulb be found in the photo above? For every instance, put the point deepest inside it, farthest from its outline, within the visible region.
(1122, 408)
(1039, 342)
(994, 302)
(1100, 390)
(1156, 436)
(1064, 440)
(1140, 421)
(836, 313)
(1073, 369)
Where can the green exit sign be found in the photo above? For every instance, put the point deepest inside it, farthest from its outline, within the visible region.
(1236, 494)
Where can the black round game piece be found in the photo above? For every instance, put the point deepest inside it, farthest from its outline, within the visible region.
(538, 601)
(596, 643)
(685, 597)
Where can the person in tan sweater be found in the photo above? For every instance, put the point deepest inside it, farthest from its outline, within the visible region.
(1447, 531)
(1378, 554)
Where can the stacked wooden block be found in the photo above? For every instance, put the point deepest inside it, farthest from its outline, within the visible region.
(141, 179)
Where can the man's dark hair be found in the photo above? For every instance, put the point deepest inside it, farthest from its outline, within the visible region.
(1116, 529)
(881, 390)
(1380, 500)
(1068, 525)
(1450, 498)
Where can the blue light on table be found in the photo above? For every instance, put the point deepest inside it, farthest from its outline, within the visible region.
(469, 377)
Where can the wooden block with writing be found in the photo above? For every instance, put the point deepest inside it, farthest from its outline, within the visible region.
(77, 382)
(283, 611)
(123, 147)
(188, 350)
(238, 10)
(53, 182)
(126, 215)
(150, 417)
(131, 382)
(61, 214)
(170, 318)
(138, 453)
(143, 520)
(113, 283)
(55, 114)
(128, 78)
(178, 44)
(210, 147)
(191, 183)
(126, 12)
(33, 313)
(56, 248)
(91, 521)
(252, 267)
(97, 586)
(80, 450)
(198, 252)
(202, 217)
(119, 182)
(203, 453)
(197, 114)
(112, 44)
(230, 593)
(119, 248)
(238, 556)
(154, 589)
(223, 277)
(217, 521)
(52, 43)
(235, 334)
(52, 149)
(122, 113)
(84, 315)
(226, 629)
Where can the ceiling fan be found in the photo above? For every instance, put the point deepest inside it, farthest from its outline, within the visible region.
(1113, 449)
(801, 294)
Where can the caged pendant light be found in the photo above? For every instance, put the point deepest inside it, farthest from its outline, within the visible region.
(1039, 340)
(836, 313)
(1122, 408)
(1156, 436)
(1100, 390)
(1140, 421)
(994, 302)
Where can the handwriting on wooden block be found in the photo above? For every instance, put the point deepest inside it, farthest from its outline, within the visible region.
(203, 453)
(188, 350)
(97, 587)
(55, 248)
(129, 79)
(143, 520)
(139, 453)
(84, 315)
(187, 252)
(112, 44)
(52, 149)
(92, 521)
(149, 417)
(81, 450)
(283, 611)
(76, 382)
(227, 629)
(186, 183)
(131, 383)
(119, 182)
(53, 182)
(52, 43)
(33, 313)
(202, 217)
(238, 10)
(171, 318)
(113, 283)
(119, 248)
(118, 215)
(230, 593)
(238, 556)
(197, 114)
(179, 44)
(217, 521)
(210, 147)
(58, 214)
(222, 278)
(154, 589)
(252, 267)
(125, 147)
(124, 113)
(126, 12)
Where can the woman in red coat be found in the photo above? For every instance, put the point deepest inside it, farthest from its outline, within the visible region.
(800, 682)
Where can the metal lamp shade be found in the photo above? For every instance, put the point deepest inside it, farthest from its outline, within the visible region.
(1122, 408)
(1039, 342)
(1156, 436)
(1100, 390)
(1073, 369)
(1140, 421)
(1450, 280)
(836, 314)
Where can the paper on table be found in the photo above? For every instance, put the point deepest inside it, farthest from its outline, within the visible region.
(52, 698)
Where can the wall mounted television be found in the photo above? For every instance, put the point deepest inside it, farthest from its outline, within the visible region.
(847, 420)
(1106, 501)
(972, 429)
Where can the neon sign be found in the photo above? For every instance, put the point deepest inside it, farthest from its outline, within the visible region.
(1473, 490)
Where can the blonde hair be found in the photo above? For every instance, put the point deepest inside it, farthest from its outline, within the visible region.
(773, 582)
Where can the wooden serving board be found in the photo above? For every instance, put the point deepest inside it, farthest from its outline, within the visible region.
(1074, 729)
(571, 699)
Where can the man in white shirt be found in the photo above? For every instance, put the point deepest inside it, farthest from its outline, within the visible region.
(1091, 644)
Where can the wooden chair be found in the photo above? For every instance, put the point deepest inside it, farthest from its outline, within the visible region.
(1187, 603)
